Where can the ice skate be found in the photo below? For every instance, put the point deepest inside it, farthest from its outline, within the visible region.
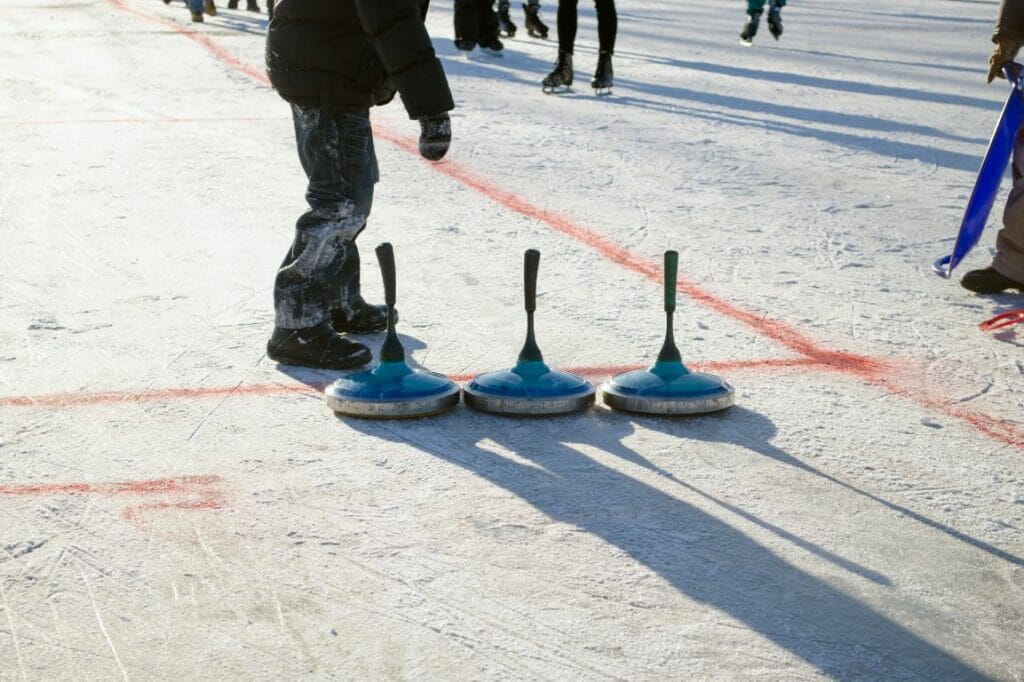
(232, 4)
(989, 281)
(210, 8)
(505, 25)
(603, 76)
(251, 6)
(319, 347)
(560, 78)
(534, 26)
(493, 47)
(197, 17)
(750, 29)
(465, 46)
(775, 19)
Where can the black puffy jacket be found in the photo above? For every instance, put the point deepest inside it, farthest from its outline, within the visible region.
(349, 55)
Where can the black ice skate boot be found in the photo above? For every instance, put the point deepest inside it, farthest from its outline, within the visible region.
(561, 76)
(774, 19)
(494, 47)
(750, 30)
(320, 347)
(360, 317)
(197, 17)
(210, 8)
(251, 6)
(603, 76)
(534, 26)
(989, 281)
(505, 25)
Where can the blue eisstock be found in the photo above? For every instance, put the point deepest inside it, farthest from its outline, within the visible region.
(993, 166)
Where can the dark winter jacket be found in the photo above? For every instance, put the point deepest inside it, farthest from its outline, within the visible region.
(1010, 23)
(349, 55)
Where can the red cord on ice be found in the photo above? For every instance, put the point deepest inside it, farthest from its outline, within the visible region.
(1007, 319)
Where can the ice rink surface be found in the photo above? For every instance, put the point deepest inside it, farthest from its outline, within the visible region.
(174, 505)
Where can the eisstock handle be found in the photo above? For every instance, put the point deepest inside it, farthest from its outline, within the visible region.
(671, 274)
(531, 264)
(386, 258)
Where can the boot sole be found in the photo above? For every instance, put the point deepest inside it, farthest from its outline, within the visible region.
(351, 362)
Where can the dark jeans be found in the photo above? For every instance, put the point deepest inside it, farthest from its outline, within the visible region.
(321, 270)
(476, 21)
(607, 24)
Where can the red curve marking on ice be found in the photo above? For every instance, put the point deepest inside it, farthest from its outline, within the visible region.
(82, 399)
(875, 372)
(199, 492)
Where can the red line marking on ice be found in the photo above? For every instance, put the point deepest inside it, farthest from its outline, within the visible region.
(186, 492)
(84, 399)
(878, 373)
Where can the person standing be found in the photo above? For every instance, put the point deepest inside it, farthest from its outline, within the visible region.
(332, 60)
(1007, 268)
(607, 28)
(754, 10)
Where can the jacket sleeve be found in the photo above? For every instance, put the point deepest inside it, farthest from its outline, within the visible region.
(1010, 23)
(396, 30)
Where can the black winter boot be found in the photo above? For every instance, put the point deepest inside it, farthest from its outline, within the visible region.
(361, 318)
(989, 281)
(561, 76)
(534, 26)
(775, 19)
(603, 76)
(320, 347)
(750, 30)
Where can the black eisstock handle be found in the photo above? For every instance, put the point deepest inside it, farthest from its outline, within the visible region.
(531, 263)
(669, 351)
(391, 350)
(386, 258)
(671, 275)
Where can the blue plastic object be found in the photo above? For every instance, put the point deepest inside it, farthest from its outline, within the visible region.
(530, 388)
(392, 389)
(668, 387)
(993, 166)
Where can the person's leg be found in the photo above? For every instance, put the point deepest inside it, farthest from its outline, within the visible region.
(487, 24)
(466, 23)
(336, 151)
(196, 8)
(755, 7)
(1009, 258)
(566, 25)
(607, 24)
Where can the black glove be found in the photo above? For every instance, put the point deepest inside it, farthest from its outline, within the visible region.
(435, 136)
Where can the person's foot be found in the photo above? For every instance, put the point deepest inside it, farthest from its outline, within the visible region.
(210, 8)
(319, 347)
(561, 76)
(750, 29)
(534, 26)
(775, 22)
(197, 17)
(232, 4)
(251, 6)
(362, 318)
(505, 25)
(492, 47)
(989, 281)
(465, 45)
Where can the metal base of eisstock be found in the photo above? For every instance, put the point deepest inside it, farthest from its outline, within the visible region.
(530, 389)
(668, 389)
(392, 390)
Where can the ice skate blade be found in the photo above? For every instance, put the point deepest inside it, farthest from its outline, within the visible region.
(391, 409)
(498, 54)
(556, 89)
(746, 43)
(666, 406)
(528, 407)
(603, 92)
(540, 36)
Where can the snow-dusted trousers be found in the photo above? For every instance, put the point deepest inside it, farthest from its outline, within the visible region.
(1009, 258)
(321, 270)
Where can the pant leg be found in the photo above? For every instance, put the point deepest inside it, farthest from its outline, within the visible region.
(467, 20)
(195, 5)
(1009, 258)
(607, 24)
(337, 154)
(487, 22)
(567, 25)
(755, 6)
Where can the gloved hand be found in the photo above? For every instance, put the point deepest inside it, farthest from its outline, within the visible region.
(1006, 50)
(435, 136)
